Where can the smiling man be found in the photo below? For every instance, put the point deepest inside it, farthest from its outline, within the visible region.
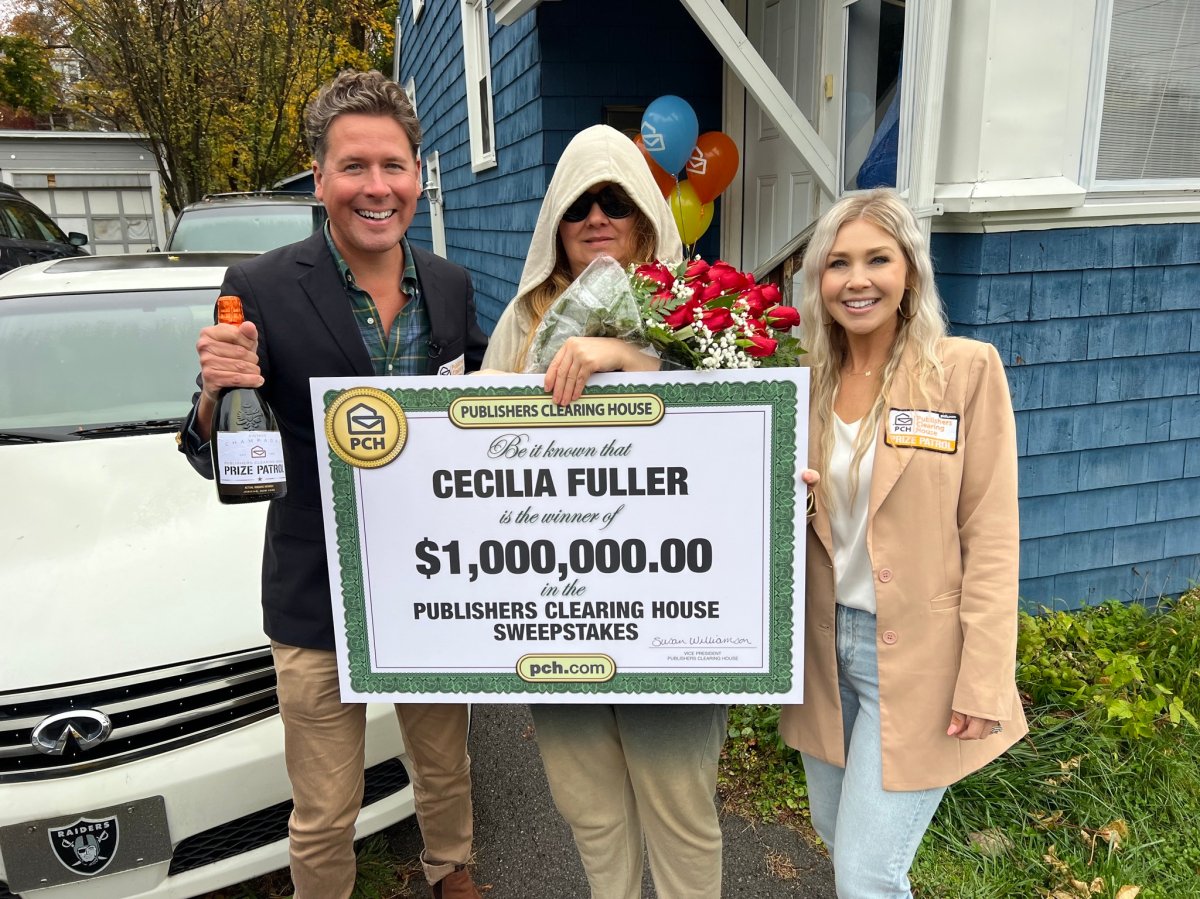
(352, 300)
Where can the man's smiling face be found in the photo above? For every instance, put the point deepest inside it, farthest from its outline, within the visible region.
(369, 181)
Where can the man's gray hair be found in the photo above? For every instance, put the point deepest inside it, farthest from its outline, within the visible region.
(366, 93)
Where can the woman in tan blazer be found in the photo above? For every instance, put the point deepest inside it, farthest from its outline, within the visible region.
(911, 621)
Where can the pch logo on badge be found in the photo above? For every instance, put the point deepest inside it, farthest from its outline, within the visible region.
(365, 427)
(87, 845)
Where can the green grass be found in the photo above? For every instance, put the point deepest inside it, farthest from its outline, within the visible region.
(1104, 794)
(1101, 801)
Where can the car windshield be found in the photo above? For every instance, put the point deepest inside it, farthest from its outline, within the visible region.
(73, 362)
(237, 227)
(27, 222)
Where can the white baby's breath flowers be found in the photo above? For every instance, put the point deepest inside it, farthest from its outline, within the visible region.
(721, 350)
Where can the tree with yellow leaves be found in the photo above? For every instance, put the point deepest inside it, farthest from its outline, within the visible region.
(218, 86)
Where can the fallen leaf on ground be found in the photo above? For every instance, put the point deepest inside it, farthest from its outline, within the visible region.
(1051, 858)
(990, 843)
(1047, 820)
(781, 866)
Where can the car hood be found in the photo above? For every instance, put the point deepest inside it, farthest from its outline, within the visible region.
(116, 556)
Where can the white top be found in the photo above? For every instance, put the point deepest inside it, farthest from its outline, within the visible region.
(853, 576)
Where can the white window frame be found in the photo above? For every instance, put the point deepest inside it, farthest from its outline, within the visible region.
(410, 91)
(1097, 187)
(477, 64)
(417, 7)
(908, 98)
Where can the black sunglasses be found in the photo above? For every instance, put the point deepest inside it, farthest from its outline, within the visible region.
(612, 203)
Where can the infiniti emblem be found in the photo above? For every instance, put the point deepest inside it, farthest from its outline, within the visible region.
(87, 727)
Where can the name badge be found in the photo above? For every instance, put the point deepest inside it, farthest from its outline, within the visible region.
(937, 431)
(454, 366)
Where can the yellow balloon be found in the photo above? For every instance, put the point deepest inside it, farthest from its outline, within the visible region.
(692, 217)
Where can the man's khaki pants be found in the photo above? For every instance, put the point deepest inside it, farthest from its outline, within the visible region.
(324, 742)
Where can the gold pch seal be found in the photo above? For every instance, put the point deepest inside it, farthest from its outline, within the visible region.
(366, 427)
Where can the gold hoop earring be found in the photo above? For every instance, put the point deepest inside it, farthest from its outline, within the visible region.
(911, 315)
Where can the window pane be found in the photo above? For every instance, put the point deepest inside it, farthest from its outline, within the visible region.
(29, 223)
(485, 122)
(871, 130)
(1151, 123)
(108, 230)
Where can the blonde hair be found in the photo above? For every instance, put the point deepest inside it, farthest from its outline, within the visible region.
(921, 325)
(538, 300)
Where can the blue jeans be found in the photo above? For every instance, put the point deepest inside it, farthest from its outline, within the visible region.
(872, 833)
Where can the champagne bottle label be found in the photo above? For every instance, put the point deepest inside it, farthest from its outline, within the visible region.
(249, 457)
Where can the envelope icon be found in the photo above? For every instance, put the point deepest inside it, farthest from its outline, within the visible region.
(653, 139)
(362, 419)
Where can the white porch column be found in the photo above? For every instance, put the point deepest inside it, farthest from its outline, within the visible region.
(925, 50)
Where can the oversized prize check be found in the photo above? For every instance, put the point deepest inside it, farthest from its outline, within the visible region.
(643, 544)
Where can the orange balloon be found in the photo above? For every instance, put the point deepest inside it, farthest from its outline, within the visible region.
(713, 164)
(692, 217)
(664, 180)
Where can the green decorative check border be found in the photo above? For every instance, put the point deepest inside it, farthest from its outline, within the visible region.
(780, 483)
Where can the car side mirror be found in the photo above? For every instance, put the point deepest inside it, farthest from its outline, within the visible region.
(77, 239)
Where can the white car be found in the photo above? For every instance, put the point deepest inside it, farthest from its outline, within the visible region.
(141, 751)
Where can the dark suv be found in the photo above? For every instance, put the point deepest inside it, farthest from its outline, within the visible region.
(29, 235)
(257, 222)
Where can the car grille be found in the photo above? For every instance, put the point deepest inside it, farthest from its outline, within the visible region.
(261, 828)
(152, 711)
(270, 824)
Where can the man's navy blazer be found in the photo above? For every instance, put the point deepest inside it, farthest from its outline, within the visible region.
(306, 328)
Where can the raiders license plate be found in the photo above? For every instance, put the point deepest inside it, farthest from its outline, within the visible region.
(75, 847)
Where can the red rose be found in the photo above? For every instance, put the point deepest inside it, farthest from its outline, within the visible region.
(756, 326)
(717, 319)
(662, 295)
(783, 316)
(757, 300)
(684, 315)
(730, 279)
(697, 271)
(655, 272)
(761, 346)
(708, 291)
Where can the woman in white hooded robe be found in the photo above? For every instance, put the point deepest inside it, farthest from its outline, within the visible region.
(623, 776)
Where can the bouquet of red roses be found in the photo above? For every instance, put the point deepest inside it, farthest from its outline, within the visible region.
(713, 316)
(695, 315)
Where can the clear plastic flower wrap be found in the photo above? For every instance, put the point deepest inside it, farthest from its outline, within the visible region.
(599, 303)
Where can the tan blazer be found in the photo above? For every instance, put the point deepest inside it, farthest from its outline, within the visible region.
(943, 540)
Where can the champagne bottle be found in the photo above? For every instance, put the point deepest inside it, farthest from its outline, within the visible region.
(247, 450)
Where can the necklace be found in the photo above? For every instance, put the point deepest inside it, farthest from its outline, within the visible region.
(866, 373)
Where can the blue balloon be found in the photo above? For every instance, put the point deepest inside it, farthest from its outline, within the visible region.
(669, 131)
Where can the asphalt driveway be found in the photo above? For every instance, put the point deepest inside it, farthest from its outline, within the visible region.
(524, 850)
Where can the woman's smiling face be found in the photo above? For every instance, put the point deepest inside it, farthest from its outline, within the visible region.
(597, 235)
(864, 279)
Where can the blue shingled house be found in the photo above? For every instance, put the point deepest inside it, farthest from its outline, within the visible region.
(1053, 148)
